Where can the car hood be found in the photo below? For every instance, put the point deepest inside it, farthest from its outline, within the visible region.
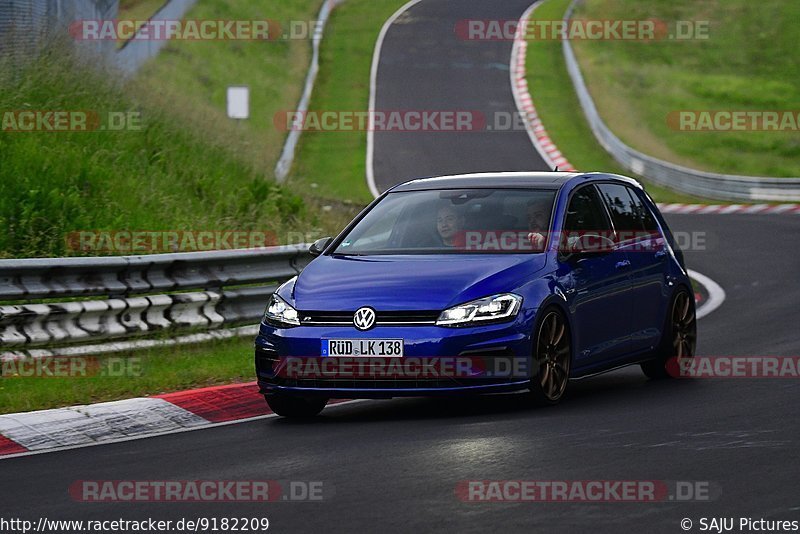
(394, 283)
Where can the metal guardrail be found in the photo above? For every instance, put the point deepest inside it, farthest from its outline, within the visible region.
(286, 159)
(138, 295)
(677, 177)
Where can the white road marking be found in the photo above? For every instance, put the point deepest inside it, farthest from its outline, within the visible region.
(716, 295)
(373, 79)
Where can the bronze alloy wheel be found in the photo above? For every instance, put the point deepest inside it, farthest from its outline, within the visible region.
(553, 356)
(684, 327)
(678, 341)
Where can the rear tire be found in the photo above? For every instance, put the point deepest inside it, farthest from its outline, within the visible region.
(295, 406)
(679, 338)
(552, 356)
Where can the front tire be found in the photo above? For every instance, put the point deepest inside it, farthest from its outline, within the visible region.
(295, 406)
(678, 341)
(552, 355)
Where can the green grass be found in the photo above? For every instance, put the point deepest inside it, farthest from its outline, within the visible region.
(139, 9)
(164, 176)
(190, 78)
(151, 372)
(333, 163)
(188, 168)
(561, 113)
(749, 62)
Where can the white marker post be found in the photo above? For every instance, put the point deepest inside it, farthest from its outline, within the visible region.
(239, 102)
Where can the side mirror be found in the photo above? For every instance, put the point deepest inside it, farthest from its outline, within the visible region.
(319, 246)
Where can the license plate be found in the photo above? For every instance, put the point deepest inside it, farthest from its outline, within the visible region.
(388, 348)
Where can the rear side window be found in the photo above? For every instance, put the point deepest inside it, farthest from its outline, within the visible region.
(643, 212)
(631, 218)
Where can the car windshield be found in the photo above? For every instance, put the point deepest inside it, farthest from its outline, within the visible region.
(453, 221)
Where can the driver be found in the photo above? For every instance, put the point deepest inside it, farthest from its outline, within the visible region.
(449, 225)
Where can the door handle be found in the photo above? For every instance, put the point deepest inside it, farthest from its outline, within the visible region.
(661, 253)
(624, 264)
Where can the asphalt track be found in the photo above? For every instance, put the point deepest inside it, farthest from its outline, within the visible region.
(424, 65)
(393, 466)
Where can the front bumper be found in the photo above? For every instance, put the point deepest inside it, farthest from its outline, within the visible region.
(498, 358)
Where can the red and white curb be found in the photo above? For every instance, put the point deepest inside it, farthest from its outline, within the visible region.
(522, 96)
(726, 209)
(110, 422)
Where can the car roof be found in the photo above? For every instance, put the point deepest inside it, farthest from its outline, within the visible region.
(548, 180)
(510, 180)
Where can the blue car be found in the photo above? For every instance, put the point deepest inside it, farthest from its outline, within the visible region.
(480, 283)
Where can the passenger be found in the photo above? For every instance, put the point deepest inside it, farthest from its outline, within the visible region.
(538, 215)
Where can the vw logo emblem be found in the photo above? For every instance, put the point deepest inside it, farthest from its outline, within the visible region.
(364, 318)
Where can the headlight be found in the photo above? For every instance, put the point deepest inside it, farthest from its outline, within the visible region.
(494, 308)
(280, 313)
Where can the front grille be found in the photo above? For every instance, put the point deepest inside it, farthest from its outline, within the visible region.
(382, 318)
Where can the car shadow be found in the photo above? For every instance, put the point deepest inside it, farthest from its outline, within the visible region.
(607, 391)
